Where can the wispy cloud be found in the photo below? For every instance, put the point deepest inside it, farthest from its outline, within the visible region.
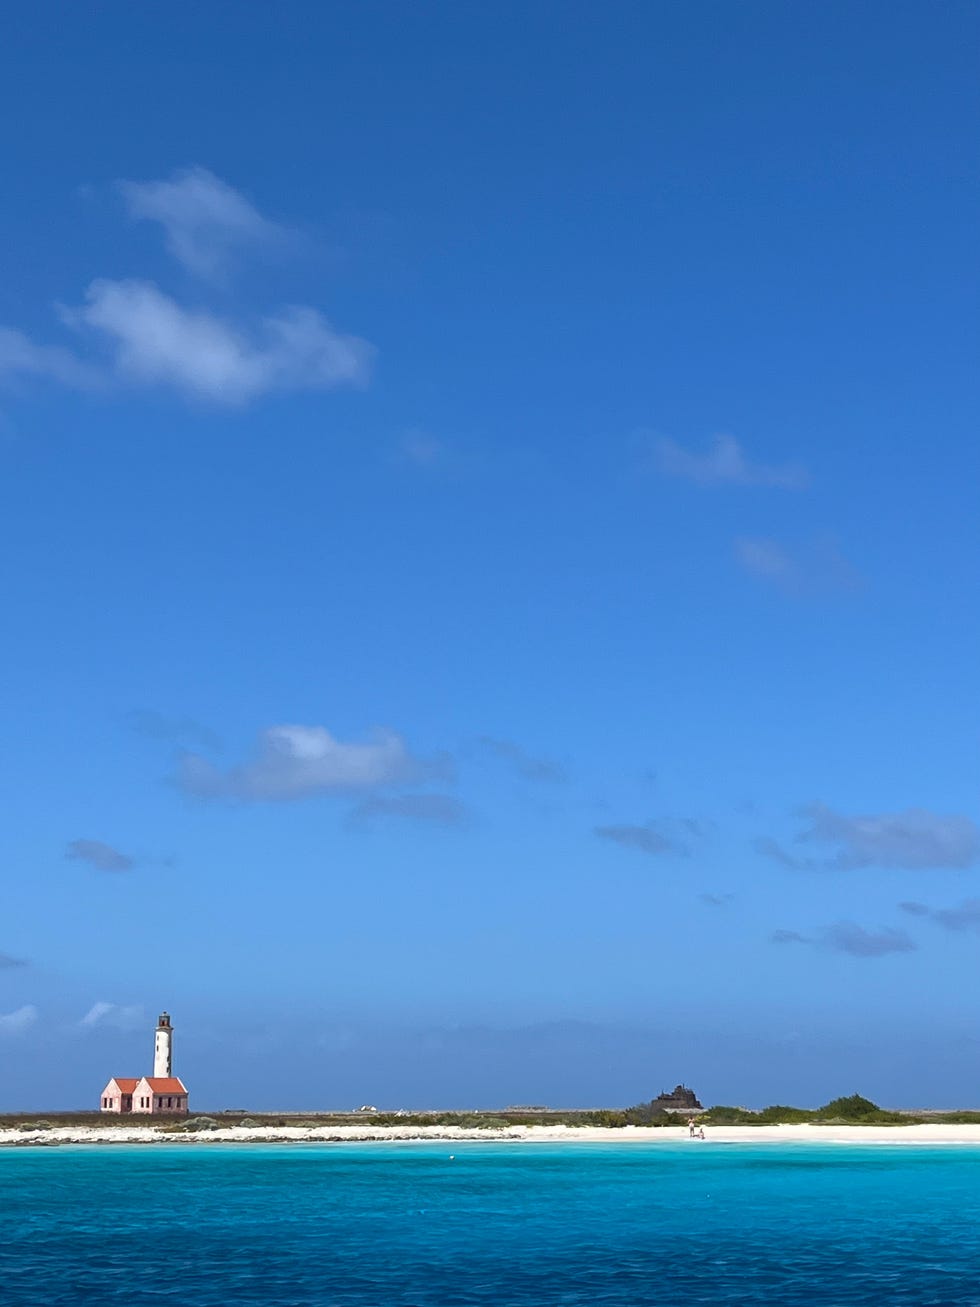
(788, 937)
(118, 1016)
(100, 855)
(770, 848)
(526, 764)
(648, 838)
(15, 1023)
(21, 358)
(964, 917)
(443, 809)
(176, 730)
(724, 462)
(8, 963)
(130, 332)
(913, 840)
(297, 762)
(420, 449)
(766, 558)
(153, 340)
(820, 568)
(848, 937)
(205, 221)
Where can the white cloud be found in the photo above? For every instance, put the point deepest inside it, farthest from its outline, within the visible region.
(113, 1014)
(154, 340)
(205, 221)
(295, 762)
(913, 840)
(820, 568)
(647, 839)
(526, 764)
(137, 334)
(420, 449)
(724, 463)
(766, 558)
(99, 854)
(444, 809)
(21, 357)
(849, 937)
(15, 1023)
(966, 916)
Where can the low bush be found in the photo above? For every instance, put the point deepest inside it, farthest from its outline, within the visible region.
(852, 1108)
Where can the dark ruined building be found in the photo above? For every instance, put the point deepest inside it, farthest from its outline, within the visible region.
(680, 1099)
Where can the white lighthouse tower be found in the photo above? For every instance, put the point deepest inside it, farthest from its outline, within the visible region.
(163, 1047)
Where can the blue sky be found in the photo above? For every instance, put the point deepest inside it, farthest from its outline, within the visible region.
(490, 539)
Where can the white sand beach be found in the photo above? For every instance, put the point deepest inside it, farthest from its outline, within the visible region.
(782, 1134)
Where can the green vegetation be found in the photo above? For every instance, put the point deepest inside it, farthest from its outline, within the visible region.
(737, 1116)
(645, 1114)
(853, 1108)
(850, 1110)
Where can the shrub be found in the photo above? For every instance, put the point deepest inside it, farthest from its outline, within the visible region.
(651, 1114)
(781, 1115)
(605, 1117)
(852, 1108)
(722, 1115)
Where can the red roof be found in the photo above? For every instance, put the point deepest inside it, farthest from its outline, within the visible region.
(164, 1084)
(124, 1084)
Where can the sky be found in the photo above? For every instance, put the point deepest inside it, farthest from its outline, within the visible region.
(490, 551)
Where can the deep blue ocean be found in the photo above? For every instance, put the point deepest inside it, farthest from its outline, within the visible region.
(375, 1225)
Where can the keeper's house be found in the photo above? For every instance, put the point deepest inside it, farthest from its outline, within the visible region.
(118, 1094)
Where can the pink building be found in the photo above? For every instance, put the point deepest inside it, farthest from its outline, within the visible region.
(161, 1092)
(118, 1095)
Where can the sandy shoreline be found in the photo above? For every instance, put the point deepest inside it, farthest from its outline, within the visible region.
(783, 1134)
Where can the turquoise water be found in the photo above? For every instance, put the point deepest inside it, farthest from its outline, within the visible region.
(501, 1225)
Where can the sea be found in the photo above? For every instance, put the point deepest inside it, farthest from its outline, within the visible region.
(489, 1225)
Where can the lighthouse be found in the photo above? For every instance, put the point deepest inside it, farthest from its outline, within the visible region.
(163, 1047)
(162, 1092)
